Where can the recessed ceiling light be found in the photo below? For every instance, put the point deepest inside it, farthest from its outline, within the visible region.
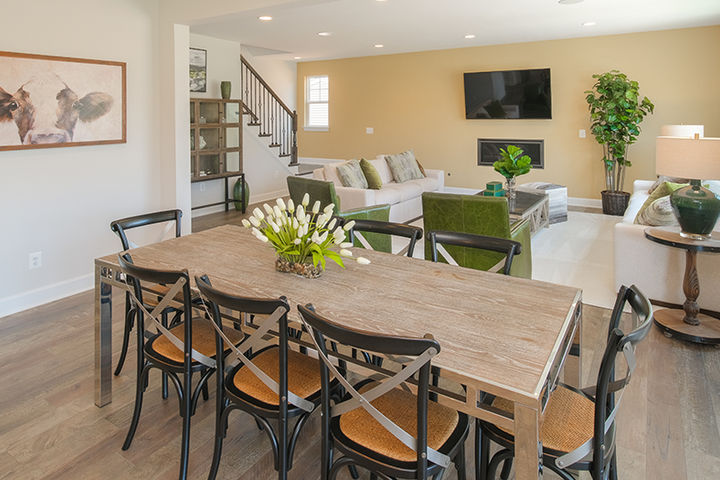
(569, 2)
(469, 36)
(589, 24)
(379, 45)
(265, 18)
(297, 58)
(324, 34)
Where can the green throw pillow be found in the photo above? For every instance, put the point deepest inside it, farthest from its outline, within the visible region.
(351, 175)
(371, 174)
(404, 167)
(662, 191)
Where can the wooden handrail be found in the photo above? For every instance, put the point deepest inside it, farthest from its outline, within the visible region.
(264, 84)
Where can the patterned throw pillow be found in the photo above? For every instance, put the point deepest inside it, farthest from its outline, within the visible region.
(658, 214)
(663, 190)
(404, 167)
(351, 175)
(371, 174)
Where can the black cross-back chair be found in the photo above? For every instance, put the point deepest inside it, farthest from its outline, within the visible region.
(509, 248)
(579, 428)
(370, 426)
(120, 227)
(180, 351)
(412, 233)
(291, 391)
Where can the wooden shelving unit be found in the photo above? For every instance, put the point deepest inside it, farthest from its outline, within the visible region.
(216, 139)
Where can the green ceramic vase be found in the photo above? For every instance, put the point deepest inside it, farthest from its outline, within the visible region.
(225, 88)
(237, 194)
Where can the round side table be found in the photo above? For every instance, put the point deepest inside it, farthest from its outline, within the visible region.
(687, 324)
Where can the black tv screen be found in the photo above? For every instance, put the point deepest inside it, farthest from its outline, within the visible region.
(508, 94)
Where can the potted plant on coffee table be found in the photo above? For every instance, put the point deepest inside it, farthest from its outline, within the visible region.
(616, 110)
(512, 164)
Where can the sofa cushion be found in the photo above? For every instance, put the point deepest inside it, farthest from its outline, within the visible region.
(382, 167)
(662, 179)
(351, 174)
(404, 167)
(662, 191)
(658, 214)
(331, 174)
(427, 184)
(371, 174)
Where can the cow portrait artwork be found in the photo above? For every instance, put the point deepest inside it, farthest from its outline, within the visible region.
(54, 101)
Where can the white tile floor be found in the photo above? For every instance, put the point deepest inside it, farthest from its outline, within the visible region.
(577, 253)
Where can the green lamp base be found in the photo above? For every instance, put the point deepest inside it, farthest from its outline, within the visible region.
(697, 210)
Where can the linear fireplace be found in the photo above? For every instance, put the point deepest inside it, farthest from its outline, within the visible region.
(488, 150)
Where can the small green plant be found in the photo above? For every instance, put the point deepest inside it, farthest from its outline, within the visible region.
(301, 236)
(616, 110)
(513, 162)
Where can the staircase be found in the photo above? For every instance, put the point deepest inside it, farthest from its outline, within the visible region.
(268, 112)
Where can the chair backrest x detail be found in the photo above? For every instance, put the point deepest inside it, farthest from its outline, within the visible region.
(412, 233)
(438, 238)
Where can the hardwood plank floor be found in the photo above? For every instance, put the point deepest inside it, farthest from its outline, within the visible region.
(50, 428)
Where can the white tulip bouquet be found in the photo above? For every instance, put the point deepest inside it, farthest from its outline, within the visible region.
(298, 235)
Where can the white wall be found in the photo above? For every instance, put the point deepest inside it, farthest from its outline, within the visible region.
(60, 201)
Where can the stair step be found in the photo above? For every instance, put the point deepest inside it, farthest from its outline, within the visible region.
(283, 155)
(274, 145)
(254, 124)
(264, 134)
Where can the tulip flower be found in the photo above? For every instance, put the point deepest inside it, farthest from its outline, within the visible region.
(254, 221)
(245, 223)
(316, 207)
(291, 206)
(345, 253)
(281, 203)
(274, 226)
(258, 214)
(295, 224)
(363, 261)
(331, 225)
(346, 245)
(349, 225)
(300, 214)
(321, 220)
(305, 200)
(324, 236)
(297, 241)
(329, 209)
(268, 209)
(277, 212)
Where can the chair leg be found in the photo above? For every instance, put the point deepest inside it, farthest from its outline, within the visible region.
(282, 465)
(353, 472)
(500, 456)
(164, 319)
(139, 390)
(507, 468)
(187, 407)
(482, 452)
(613, 467)
(129, 321)
(220, 426)
(205, 392)
(460, 462)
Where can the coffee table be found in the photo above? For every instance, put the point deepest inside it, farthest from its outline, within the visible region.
(533, 206)
(687, 324)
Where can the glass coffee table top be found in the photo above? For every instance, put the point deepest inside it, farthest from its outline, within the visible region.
(524, 201)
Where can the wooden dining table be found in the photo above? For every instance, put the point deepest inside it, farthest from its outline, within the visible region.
(502, 335)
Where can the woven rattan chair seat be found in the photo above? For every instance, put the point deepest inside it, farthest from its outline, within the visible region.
(203, 340)
(401, 408)
(568, 423)
(303, 376)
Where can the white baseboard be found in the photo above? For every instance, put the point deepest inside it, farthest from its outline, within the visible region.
(585, 202)
(254, 198)
(318, 160)
(46, 294)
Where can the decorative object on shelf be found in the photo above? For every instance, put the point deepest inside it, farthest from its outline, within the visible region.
(237, 193)
(493, 189)
(44, 99)
(198, 70)
(512, 163)
(203, 143)
(616, 110)
(225, 88)
(695, 207)
(303, 240)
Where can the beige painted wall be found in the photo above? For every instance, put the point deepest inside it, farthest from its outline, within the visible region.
(416, 101)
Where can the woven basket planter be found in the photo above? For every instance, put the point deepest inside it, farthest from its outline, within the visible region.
(614, 203)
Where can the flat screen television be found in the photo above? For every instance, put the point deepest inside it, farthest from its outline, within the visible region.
(508, 94)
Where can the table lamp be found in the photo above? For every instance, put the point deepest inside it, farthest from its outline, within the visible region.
(695, 207)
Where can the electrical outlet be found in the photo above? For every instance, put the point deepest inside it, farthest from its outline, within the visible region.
(202, 186)
(581, 133)
(34, 260)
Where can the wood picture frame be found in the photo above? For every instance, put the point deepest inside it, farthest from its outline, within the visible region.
(50, 101)
(198, 70)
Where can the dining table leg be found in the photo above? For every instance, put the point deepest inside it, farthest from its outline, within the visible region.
(527, 443)
(103, 338)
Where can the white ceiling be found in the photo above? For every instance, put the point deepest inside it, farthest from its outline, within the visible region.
(417, 25)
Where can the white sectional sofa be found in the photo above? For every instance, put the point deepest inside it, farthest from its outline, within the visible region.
(405, 198)
(656, 269)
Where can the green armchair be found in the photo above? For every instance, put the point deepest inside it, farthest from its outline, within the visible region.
(325, 192)
(479, 215)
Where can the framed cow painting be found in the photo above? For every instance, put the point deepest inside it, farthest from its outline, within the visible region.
(61, 102)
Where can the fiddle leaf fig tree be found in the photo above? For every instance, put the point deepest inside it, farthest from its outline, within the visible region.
(616, 110)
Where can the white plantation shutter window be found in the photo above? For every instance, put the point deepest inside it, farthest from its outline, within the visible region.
(316, 101)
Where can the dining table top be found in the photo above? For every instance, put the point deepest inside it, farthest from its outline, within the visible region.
(496, 332)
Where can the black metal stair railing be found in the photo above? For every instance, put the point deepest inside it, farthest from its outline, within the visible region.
(268, 112)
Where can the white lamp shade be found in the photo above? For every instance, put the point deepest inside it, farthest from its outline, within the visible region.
(696, 159)
(682, 131)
